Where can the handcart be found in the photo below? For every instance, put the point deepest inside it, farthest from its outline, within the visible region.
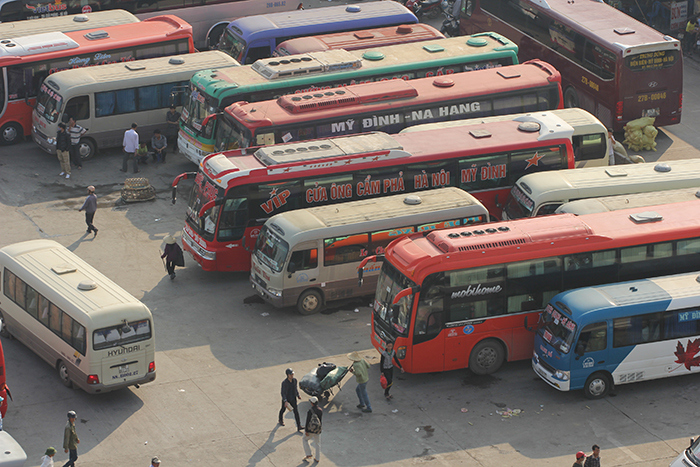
(320, 381)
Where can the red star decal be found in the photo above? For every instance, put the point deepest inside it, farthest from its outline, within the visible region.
(273, 193)
(533, 161)
(348, 162)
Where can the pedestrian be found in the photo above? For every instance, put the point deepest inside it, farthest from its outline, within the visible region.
(290, 394)
(360, 368)
(90, 207)
(386, 365)
(580, 458)
(47, 458)
(76, 132)
(158, 145)
(142, 154)
(594, 459)
(172, 126)
(63, 149)
(131, 145)
(70, 440)
(691, 35)
(312, 430)
(155, 462)
(173, 255)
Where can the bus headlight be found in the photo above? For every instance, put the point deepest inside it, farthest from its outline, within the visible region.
(561, 375)
(51, 140)
(274, 292)
(401, 352)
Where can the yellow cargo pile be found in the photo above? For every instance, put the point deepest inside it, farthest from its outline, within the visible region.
(641, 134)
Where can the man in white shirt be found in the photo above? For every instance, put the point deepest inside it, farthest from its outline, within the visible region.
(131, 145)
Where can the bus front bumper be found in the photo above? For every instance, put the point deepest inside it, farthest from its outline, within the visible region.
(191, 148)
(272, 297)
(43, 141)
(557, 379)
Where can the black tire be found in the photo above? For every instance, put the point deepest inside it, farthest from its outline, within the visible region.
(63, 374)
(310, 302)
(87, 149)
(11, 133)
(214, 36)
(597, 386)
(570, 98)
(486, 357)
(3, 328)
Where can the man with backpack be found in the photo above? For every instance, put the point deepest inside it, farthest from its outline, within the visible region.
(313, 430)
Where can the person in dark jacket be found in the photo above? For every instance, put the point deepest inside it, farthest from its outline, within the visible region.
(386, 365)
(290, 394)
(313, 433)
(90, 207)
(172, 253)
(63, 149)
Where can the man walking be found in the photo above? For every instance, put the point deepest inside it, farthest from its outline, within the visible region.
(90, 207)
(360, 368)
(155, 462)
(70, 440)
(172, 126)
(594, 459)
(131, 145)
(312, 430)
(63, 149)
(76, 132)
(290, 394)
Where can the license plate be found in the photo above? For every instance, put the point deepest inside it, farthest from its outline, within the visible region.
(123, 369)
(651, 112)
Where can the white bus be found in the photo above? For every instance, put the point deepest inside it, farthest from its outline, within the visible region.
(542, 193)
(590, 137)
(64, 24)
(107, 99)
(95, 334)
(635, 200)
(309, 257)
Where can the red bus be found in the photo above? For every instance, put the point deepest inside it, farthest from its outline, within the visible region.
(4, 390)
(390, 106)
(354, 40)
(612, 65)
(236, 191)
(464, 297)
(27, 61)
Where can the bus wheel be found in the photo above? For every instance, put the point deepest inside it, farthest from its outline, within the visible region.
(215, 35)
(3, 328)
(310, 302)
(486, 357)
(570, 98)
(597, 386)
(63, 374)
(86, 149)
(11, 133)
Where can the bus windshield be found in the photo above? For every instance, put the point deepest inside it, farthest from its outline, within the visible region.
(198, 107)
(203, 191)
(232, 44)
(233, 134)
(391, 282)
(271, 250)
(519, 205)
(121, 334)
(557, 329)
(49, 103)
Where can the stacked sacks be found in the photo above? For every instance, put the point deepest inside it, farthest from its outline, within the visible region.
(640, 134)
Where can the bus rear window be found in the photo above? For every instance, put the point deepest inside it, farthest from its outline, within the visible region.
(121, 334)
(652, 60)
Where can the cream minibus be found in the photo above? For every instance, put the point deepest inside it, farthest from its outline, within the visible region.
(309, 257)
(95, 334)
(542, 193)
(107, 99)
(634, 200)
(590, 137)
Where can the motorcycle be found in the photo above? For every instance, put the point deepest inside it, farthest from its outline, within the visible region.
(430, 8)
(450, 26)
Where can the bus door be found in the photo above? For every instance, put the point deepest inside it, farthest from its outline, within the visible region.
(428, 334)
(590, 353)
(302, 271)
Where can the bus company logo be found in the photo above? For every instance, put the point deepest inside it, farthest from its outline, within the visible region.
(79, 61)
(123, 350)
(50, 8)
(545, 352)
(254, 233)
(468, 329)
(472, 291)
(100, 56)
(452, 333)
(587, 362)
(303, 277)
(276, 201)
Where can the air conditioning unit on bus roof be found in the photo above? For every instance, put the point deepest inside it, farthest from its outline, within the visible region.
(305, 64)
(36, 44)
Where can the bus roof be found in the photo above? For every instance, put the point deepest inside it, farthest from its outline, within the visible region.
(12, 453)
(66, 23)
(629, 201)
(268, 72)
(72, 280)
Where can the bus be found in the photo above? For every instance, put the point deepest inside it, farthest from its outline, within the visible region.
(109, 98)
(69, 23)
(308, 257)
(468, 297)
(353, 40)
(590, 138)
(612, 65)
(95, 334)
(537, 196)
(595, 338)
(27, 61)
(255, 37)
(391, 106)
(12, 454)
(634, 200)
(236, 191)
(213, 90)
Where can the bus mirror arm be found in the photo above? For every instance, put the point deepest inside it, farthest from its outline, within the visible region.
(206, 120)
(185, 176)
(529, 328)
(361, 270)
(498, 205)
(405, 293)
(208, 205)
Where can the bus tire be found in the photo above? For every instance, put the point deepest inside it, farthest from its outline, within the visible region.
(310, 302)
(486, 357)
(63, 374)
(3, 328)
(570, 98)
(11, 133)
(214, 35)
(597, 386)
(86, 149)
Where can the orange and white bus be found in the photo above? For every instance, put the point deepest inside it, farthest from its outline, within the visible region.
(26, 61)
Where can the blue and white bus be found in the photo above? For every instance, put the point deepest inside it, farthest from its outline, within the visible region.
(596, 337)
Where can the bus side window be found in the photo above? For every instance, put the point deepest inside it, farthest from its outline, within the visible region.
(681, 323)
(55, 319)
(78, 108)
(590, 147)
(233, 219)
(32, 301)
(547, 209)
(9, 284)
(20, 290)
(256, 53)
(305, 259)
(44, 310)
(593, 338)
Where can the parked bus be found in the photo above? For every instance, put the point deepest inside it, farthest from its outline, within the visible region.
(594, 338)
(26, 61)
(611, 64)
(634, 200)
(690, 457)
(464, 297)
(308, 257)
(69, 23)
(391, 106)
(537, 196)
(590, 138)
(208, 18)
(95, 334)
(234, 192)
(213, 90)
(255, 37)
(11, 453)
(109, 98)
(4, 390)
(353, 40)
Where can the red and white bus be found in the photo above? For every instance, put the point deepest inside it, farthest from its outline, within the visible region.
(26, 61)
(390, 106)
(354, 40)
(464, 297)
(612, 65)
(236, 191)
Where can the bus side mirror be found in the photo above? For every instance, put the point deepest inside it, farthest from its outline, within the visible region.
(292, 268)
(579, 351)
(498, 205)
(394, 312)
(692, 441)
(360, 280)
(206, 120)
(526, 326)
